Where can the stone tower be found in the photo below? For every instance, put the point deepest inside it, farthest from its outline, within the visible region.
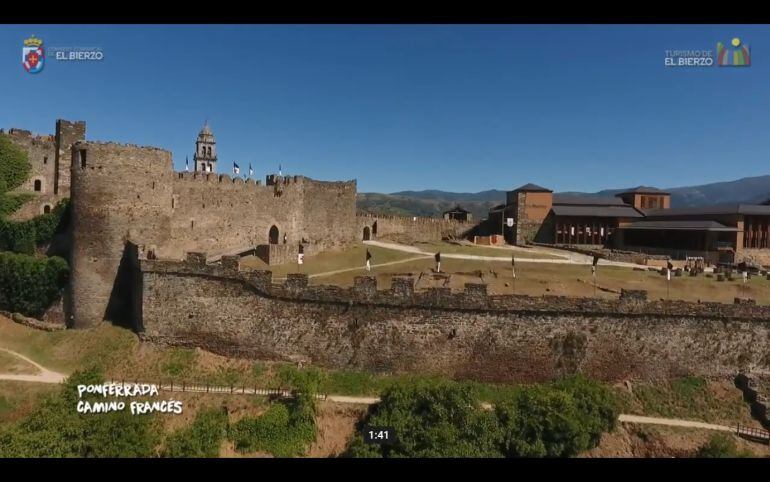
(205, 151)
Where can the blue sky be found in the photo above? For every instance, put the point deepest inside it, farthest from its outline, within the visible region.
(397, 107)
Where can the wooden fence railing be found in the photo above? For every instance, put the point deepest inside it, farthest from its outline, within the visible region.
(171, 386)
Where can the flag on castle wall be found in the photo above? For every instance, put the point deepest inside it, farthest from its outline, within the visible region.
(236, 169)
(279, 169)
(251, 171)
(187, 164)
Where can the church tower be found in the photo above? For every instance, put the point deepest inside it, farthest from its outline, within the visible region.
(205, 151)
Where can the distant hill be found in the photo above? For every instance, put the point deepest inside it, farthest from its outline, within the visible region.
(433, 202)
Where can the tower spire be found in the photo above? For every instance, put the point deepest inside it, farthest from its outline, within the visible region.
(205, 156)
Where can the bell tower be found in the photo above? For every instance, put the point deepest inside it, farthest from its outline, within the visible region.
(205, 151)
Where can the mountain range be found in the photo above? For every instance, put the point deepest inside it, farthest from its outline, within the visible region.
(433, 202)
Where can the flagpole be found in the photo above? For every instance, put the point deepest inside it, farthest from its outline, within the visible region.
(513, 272)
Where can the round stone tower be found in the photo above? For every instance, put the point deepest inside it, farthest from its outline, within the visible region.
(119, 194)
(205, 151)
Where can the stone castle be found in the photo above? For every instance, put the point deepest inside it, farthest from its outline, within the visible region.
(126, 194)
(465, 334)
(159, 250)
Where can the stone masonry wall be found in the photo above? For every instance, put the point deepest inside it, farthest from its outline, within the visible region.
(464, 334)
(44, 153)
(123, 193)
(410, 229)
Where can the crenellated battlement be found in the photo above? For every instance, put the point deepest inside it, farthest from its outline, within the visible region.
(415, 219)
(118, 146)
(474, 296)
(21, 135)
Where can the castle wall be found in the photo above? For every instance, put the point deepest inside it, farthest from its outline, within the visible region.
(410, 229)
(329, 212)
(129, 193)
(218, 214)
(221, 215)
(464, 334)
(119, 193)
(44, 153)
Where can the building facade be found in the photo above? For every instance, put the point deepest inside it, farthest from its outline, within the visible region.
(49, 159)
(639, 219)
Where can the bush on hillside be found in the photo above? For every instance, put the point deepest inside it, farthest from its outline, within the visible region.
(55, 429)
(25, 236)
(447, 420)
(14, 165)
(285, 430)
(201, 439)
(29, 285)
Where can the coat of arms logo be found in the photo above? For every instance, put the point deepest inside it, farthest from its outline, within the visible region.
(33, 55)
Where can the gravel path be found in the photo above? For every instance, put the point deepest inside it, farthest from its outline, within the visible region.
(45, 375)
(49, 376)
(673, 422)
(568, 257)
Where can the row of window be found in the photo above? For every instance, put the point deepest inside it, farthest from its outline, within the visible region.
(652, 202)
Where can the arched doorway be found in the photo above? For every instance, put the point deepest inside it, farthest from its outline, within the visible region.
(273, 235)
(367, 233)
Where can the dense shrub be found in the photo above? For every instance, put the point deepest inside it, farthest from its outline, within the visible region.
(29, 285)
(442, 420)
(9, 203)
(24, 236)
(542, 422)
(720, 446)
(597, 407)
(55, 429)
(14, 165)
(285, 430)
(447, 420)
(201, 439)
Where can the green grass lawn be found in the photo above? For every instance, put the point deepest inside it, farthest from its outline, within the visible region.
(353, 257)
(538, 279)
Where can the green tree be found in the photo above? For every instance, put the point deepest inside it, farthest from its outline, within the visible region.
(201, 439)
(14, 170)
(542, 422)
(14, 165)
(442, 420)
(596, 405)
(55, 429)
(285, 430)
(29, 285)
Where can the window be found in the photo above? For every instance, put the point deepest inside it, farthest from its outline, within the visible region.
(38, 185)
(46, 209)
(209, 151)
(82, 153)
(45, 160)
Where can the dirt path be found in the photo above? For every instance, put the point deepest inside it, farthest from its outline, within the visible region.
(49, 376)
(45, 375)
(567, 257)
(672, 422)
(361, 268)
